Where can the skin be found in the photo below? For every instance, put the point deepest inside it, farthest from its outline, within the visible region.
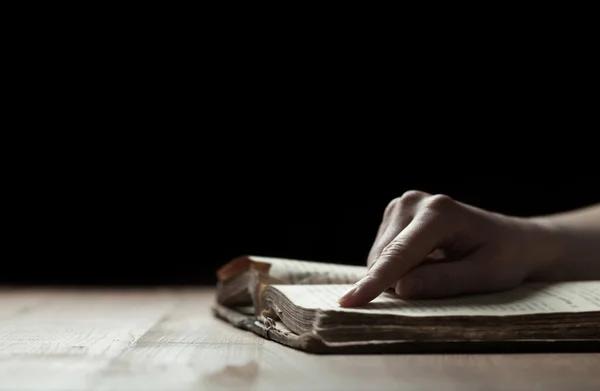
(431, 246)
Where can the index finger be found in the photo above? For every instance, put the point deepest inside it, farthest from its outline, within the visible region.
(409, 248)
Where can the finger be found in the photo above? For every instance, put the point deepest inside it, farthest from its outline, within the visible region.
(420, 238)
(392, 229)
(398, 214)
(382, 229)
(472, 274)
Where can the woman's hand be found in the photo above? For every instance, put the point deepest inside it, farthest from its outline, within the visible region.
(431, 246)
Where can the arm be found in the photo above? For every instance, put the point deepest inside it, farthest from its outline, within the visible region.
(574, 237)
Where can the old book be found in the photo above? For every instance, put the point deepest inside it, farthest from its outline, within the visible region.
(294, 302)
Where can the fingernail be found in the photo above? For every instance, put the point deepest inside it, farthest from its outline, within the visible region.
(397, 288)
(347, 295)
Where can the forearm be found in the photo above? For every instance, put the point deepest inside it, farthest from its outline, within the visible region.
(574, 240)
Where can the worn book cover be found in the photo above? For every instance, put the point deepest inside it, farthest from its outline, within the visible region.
(294, 302)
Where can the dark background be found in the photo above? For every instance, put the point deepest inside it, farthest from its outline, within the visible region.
(153, 156)
(156, 164)
(170, 222)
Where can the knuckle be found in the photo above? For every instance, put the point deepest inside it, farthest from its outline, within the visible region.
(394, 249)
(408, 200)
(393, 205)
(412, 197)
(439, 203)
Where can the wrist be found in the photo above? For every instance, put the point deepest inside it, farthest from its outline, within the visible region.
(547, 244)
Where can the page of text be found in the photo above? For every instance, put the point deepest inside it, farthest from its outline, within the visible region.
(290, 271)
(527, 299)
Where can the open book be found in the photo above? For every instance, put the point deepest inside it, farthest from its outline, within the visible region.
(294, 302)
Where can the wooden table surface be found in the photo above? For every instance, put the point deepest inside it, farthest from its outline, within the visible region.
(161, 339)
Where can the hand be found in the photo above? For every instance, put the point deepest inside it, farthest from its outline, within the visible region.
(431, 246)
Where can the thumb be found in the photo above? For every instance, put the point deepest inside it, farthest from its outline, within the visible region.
(472, 274)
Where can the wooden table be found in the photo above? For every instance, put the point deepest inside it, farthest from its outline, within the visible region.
(161, 339)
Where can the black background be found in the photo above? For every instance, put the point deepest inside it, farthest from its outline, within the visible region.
(149, 220)
(153, 159)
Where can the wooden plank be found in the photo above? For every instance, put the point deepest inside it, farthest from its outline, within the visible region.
(182, 349)
(168, 340)
(59, 345)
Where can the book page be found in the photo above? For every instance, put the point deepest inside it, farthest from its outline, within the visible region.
(292, 271)
(527, 299)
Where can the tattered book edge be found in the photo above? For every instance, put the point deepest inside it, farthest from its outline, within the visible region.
(313, 344)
